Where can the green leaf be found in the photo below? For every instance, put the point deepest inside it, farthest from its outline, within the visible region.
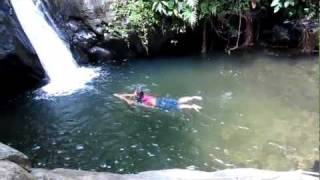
(165, 3)
(286, 4)
(176, 12)
(274, 3)
(276, 9)
(291, 3)
(154, 6)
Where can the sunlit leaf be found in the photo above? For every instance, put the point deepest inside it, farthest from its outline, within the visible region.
(276, 9)
(274, 3)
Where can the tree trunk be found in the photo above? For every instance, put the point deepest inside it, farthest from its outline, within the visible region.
(248, 31)
(204, 38)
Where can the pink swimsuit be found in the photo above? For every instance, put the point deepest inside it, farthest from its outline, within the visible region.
(147, 100)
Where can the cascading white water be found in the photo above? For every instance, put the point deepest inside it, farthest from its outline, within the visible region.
(65, 75)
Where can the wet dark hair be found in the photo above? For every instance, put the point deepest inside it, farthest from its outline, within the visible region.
(139, 96)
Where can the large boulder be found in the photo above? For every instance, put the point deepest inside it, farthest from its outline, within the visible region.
(6, 39)
(11, 32)
(20, 68)
(12, 171)
(9, 154)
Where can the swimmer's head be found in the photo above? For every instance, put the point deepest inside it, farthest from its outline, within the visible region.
(139, 94)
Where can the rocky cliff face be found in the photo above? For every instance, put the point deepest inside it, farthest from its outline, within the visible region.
(19, 65)
(92, 12)
(84, 24)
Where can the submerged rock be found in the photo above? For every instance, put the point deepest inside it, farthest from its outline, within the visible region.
(12, 171)
(9, 154)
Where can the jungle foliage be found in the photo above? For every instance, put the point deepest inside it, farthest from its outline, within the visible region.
(176, 15)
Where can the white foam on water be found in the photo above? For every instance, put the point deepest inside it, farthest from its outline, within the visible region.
(66, 77)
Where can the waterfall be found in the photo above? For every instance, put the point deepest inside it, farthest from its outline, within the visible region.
(65, 75)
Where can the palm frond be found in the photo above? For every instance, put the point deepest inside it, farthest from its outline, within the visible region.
(192, 3)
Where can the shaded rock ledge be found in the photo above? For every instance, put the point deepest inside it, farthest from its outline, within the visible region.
(14, 165)
(9, 154)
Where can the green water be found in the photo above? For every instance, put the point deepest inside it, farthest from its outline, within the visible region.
(258, 111)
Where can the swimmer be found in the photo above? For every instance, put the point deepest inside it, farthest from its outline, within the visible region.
(140, 98)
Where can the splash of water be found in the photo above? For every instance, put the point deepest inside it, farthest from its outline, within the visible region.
(66, 77)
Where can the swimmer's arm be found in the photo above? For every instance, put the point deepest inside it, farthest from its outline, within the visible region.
(129, 95)
(118, 95)
(130, 102)
(123, 97)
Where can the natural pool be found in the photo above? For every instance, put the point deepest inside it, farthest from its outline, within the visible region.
(259, 111)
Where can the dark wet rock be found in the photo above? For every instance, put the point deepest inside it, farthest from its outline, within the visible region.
(6, 39)
(118, 48)
(100, 53)
(9, 154)
(92, 12)
(7, 44)
(20, 68)
(316, 167)
(84, 24)
(12, 171)
(84, 39)
(280, 34)
(73, 25)
(285, 35)
(11, 32)
(301, 34)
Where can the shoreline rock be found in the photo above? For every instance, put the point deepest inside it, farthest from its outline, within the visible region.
(12, 171)
(14, 165)
(174, 174)
(9, 154)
